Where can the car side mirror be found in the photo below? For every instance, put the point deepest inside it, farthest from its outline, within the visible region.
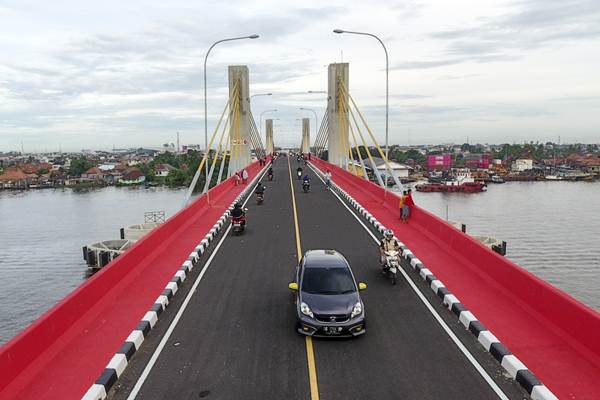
(293, 286)
(362, 286)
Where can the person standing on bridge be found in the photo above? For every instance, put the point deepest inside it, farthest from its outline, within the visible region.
(328, 178)
(409, 204)
(244, 176)
(401, 205)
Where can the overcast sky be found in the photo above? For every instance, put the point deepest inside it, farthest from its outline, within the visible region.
(129, 73)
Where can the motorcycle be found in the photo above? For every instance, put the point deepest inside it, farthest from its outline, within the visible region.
(390, 268)
(306, 186)
(299, 174)
(260, 197)
(270, 176)
(238, 224)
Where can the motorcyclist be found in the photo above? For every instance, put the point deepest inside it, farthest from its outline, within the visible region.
(306, 179)
(260, 188)
(238, 211)
(388, 243)
(299, 172)
(270, 173)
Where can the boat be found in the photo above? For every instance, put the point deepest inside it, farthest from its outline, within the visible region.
(497, 179)
(462, 181)
(464, 187)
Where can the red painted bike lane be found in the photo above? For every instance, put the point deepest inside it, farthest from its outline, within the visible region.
(63, 352)
(552, 333)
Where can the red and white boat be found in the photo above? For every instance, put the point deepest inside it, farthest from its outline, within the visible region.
(462, 182)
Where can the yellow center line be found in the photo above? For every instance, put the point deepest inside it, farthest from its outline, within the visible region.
(310, 354)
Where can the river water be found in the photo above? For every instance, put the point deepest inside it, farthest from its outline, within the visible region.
(552, 229)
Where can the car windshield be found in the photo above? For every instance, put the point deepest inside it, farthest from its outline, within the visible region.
(328, 281)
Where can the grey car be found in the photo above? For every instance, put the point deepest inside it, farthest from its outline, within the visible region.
(328, 302)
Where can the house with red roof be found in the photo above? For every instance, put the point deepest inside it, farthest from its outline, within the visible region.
(132, 176)
(14, 178)
(93, 174)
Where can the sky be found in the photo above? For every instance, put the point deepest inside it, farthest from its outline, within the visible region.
(96, 75)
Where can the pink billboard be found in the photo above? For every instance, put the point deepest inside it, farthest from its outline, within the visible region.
(439, 162)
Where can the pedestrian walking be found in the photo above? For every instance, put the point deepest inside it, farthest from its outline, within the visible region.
(238, 178)
(244, 176)
(328, 178)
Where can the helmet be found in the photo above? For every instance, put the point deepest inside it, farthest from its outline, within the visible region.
(237, 205)
(388, 234)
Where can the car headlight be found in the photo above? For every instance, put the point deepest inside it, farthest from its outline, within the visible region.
(305, 309)
(356, 310)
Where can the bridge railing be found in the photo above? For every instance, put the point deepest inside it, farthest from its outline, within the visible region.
(577, 321)
(48, 330)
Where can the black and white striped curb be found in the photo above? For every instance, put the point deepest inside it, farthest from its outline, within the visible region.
(513, 366)
(116, 366)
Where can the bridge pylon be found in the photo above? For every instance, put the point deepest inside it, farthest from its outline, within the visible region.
(338, 115)
(239, 118)
(305, 147)
(269, 138)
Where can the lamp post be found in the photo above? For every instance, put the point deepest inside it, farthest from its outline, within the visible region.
(261, 114)
(260, 94)
(387, 69)
(205, 98)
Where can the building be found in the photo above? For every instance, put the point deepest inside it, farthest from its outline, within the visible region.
(132, 177)
(522, 164)
(400, 170)
(14, 178)
(439, 162)
(477, 161)
(163, 170)
(92, 174)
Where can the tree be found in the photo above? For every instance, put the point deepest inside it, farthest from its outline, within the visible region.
(79, 166)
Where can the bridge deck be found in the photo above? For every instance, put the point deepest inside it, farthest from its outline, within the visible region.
(63, 353)
(236, 336)
(504, 301)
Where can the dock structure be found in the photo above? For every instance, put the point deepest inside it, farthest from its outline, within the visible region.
(191, 311)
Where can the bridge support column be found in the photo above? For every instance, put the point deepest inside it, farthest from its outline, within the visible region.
(338, 118)
(239, 117)
(305, 148)
(269, 139)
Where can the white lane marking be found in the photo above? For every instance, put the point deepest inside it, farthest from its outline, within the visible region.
(163, 342)
(435, 314)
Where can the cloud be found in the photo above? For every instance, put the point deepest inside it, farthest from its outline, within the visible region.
(531, 24)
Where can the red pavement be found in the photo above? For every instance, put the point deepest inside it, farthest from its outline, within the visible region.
(61, 354)
(554, 335)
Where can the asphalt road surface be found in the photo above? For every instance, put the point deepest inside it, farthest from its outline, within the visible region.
(236, 337)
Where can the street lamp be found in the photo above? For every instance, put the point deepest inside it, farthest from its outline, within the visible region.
(205, 98)
(261, 94)
(316, 118)
(387, 69)
(261, 114)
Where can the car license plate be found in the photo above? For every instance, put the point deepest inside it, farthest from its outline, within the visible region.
(332, 330)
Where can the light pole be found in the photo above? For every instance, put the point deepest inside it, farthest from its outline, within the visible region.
(387, 69)
(261, 114)
(205, 98)
(260, 94)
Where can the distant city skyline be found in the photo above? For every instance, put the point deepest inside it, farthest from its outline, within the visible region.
(130, 74)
